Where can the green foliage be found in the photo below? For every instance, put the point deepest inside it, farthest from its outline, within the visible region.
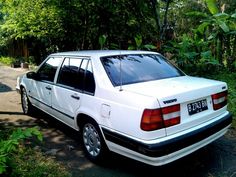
(24, 19)
(211, 4)
(58, 25)
(29, 162)
(31, 60)
(229, 78)
(11, 145)
(102, 41)
(202, 27)
(196, 14)
(221, 31)
(7, 60)
(139, 44)
(212, 42)
(17, 159)
(10, 60)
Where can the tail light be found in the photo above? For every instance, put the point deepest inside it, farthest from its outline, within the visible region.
(171, 115)
(219, 100)
(154, 119)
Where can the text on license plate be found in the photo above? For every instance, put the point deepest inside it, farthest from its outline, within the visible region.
(197, 107)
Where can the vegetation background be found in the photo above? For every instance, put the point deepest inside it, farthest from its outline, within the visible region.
(197, 35)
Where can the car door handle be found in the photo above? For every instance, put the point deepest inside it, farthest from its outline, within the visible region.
(48, 87)
(75, 97)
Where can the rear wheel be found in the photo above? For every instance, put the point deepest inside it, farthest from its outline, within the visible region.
(27, 107)
(93, 143)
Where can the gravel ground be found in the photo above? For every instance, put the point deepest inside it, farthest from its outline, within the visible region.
(217, 159)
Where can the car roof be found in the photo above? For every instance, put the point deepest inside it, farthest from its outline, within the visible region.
(101, 53)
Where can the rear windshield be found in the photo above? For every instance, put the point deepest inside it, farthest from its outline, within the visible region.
(128, 69)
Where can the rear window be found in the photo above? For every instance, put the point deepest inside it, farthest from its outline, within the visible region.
(135, 68)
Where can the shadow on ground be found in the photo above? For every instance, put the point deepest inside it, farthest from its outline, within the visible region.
(11, 113)
(216, 159)
(4, 88)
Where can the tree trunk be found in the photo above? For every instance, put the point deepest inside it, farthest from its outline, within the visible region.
(234, 53)
(163, 29)
(156, 12)
(219, 49)
(228, 52)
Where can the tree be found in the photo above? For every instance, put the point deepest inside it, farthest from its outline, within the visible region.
(220, 29)
(30, 23)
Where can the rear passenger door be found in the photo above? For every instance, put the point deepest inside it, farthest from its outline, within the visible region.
(69, 89)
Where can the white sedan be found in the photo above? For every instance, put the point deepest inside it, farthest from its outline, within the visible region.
(134, 103)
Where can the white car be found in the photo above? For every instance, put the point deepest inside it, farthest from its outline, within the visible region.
(134, 103)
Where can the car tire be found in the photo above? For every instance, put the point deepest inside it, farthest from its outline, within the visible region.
(27, 107)
(93, 143)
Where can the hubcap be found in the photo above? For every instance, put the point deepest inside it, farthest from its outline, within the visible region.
(91, 140)
(24, 101)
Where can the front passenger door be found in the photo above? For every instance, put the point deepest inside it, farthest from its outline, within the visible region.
(43, 86)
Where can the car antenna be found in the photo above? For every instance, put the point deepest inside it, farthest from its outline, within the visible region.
(120, 74)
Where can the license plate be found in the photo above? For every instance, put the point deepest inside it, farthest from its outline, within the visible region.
(197, 107)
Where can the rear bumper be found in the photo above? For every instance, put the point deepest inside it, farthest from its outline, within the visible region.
(159, 153)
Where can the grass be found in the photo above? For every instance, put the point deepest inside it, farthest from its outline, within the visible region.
(30, 162)
(230, 79)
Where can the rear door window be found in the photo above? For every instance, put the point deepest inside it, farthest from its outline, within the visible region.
(77, 74)
(135, 68)
(89, 83)
(69, 72)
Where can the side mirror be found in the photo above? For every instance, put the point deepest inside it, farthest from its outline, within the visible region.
(32, 75)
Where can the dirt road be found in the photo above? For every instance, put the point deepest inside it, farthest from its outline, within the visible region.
(217, 159)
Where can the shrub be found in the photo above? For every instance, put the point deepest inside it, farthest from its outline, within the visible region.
(229, 78)
(7, 60)
(11, 144)
(19, 158)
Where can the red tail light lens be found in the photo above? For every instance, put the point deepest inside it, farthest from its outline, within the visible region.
(160, 118)
(219, 100)
(151, 120)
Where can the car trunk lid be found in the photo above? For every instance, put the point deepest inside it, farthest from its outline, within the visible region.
(193, 94)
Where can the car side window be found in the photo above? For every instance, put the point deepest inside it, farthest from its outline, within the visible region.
(89, 83)
(69, 72)
(48, 70)
(81, 74)
(77, 73)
